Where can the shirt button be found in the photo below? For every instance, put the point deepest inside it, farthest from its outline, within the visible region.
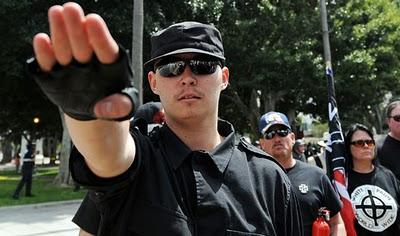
(201, 158)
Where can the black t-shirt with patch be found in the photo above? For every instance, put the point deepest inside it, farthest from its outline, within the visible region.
(236, 189)
(313, 190)
(375, 197)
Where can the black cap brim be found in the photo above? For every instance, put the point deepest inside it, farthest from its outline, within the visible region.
(150, 62)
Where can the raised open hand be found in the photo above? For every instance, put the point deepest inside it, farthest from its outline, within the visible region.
(77, 37)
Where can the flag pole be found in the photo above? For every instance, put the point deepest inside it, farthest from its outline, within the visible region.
(325, 31)
(335, 149)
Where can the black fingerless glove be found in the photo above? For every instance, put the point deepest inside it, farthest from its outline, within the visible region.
(77, 87)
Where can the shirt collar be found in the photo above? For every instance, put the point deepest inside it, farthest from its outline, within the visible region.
(222, 154)
(177, 151)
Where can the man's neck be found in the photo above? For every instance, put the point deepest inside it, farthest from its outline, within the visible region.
(197, 135)
(286, 162)
(393, 135)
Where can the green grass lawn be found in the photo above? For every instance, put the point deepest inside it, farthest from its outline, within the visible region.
(42, 187)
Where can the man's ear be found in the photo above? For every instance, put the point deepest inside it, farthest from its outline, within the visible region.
(225, 78)
(293, 137)
(262, 143)
(151, 77)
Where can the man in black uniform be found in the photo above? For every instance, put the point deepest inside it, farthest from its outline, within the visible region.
(192, 177)
(389, 147)
(148, 116)
(312, 187)
(28, 162)
(299, 148)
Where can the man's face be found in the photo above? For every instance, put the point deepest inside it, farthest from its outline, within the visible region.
(394, 125)
(279, 147)
(190, 95)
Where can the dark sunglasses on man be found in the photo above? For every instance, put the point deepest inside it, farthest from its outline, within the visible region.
(396, 118)
(280, 132)
(171, 67)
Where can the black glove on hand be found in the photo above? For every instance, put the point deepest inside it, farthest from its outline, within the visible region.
(77, 87)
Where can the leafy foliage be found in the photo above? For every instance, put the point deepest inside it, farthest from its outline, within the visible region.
(21, 99)
(273, 49)
(367, 55)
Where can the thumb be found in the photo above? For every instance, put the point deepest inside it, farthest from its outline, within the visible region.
(113, 107)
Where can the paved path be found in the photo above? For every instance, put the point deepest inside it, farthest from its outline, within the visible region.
(7, 166)
(39, 219)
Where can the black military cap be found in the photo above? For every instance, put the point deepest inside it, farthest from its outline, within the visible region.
(186, 37)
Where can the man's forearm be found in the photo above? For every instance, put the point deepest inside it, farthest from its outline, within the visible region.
(337, 226)
(107, 146)
(84, 233)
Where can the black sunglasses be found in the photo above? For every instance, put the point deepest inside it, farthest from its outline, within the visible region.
(198, 67)
(361, 143)
(281, 132)
(396, 118)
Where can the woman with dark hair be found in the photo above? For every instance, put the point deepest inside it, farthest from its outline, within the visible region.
(373, 189)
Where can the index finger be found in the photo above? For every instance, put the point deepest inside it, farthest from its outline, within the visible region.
(44, 51)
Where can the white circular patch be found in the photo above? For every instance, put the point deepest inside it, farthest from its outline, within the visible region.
(303, 188)
(376, 210)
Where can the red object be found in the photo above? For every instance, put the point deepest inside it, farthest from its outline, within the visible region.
(346, 212)
(320, 226)
(336, 157)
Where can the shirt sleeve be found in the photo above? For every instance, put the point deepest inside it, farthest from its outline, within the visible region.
(82, 174)
(87, 217)
(107, 198)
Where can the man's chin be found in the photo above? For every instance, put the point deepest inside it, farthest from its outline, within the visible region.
(280, 154)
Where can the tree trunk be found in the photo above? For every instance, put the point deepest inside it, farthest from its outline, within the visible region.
(270, 100)
(16, 147)
(254, 112)
(379, 120)
(137, 43)
(291, 115)
(64, 176)
(50, 149)
(6, 149)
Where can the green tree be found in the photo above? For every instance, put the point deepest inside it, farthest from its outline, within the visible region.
(273, 49)
(366, 53)
(21, 99)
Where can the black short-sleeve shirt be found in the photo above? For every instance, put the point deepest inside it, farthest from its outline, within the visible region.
(313, 190)
(236, 189)
(389, 154)
(375, 197)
